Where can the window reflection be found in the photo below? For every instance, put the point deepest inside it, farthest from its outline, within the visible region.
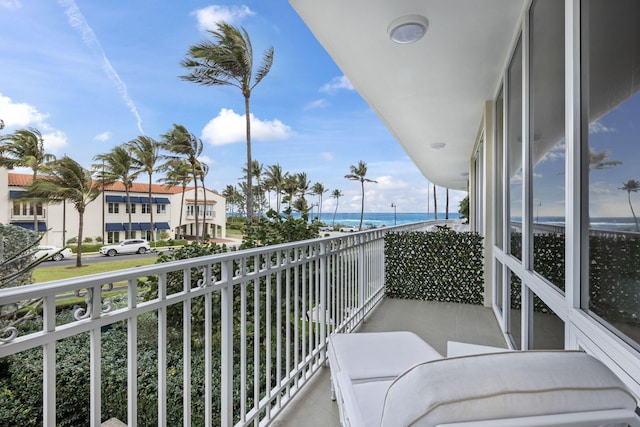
(548, 328)
(515, 290)
(547, 139)
(514, 138)
(499, 171)
(611, 142)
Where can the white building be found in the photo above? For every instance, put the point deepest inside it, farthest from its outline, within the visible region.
(107, 216)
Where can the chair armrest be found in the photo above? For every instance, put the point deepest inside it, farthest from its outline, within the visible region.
(349, 407)
(576, 419)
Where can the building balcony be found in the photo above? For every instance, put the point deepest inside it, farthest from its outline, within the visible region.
(231, 339)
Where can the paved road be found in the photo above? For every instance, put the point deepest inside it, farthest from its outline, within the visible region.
(93, 258)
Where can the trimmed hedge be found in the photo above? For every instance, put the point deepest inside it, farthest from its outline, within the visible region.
(435, 266)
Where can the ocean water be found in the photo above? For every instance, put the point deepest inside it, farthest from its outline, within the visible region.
(378, 219)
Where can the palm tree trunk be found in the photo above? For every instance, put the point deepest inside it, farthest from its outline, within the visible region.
(335, 212)
(180, 235)
(34, 206)
(153, 237)
(361, 206)
(632, 211)
(435, 203)
(195, 182)
(204, 214)
(129, 210)
(80, 231)
(446, 215)
(249, 175)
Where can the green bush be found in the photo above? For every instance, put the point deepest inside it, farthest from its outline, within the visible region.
(86, 248)
(435, 266)
(16, 242)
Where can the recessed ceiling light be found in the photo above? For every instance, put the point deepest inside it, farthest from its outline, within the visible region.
(438, 145)
(408, 29)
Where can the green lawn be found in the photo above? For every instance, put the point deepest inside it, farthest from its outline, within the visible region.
(46, 274)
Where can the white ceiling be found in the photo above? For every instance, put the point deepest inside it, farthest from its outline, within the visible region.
(431, 91)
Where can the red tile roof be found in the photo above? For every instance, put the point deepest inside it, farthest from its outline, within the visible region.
(22, 180)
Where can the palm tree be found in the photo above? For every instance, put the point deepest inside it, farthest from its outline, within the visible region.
(631, 186)
(290, 187)
(318, 189)
(185, 145)
(228, 61)
(146, 152)
(303, 188)
(177, 172)
(435, 203)
(275, 180)
(25, 148)
(118, 166)
(336, 195)
(256, 172)
(358, 173)
(65, 180)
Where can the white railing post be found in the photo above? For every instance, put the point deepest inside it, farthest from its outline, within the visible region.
(322, 314)
(49, 364)
(361, 274)
(132, 357)
(226, 368)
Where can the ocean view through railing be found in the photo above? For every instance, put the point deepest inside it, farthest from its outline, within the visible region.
(224, 339)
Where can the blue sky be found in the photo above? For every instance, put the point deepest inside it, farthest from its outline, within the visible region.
(91, 75)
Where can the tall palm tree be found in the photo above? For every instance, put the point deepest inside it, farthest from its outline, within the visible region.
(318, 189)
(146, 152)
(631, 186)
(25, 148)
(275, 180)
(228, 61)
(303, 188)
(435, 203)
(118, 166)
(177, 173)
(182, 144)
(256, 172)
(65, 180)
(359, 173)
(336, 194)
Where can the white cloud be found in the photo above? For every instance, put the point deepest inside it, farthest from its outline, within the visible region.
(19, 114)
(11, 4)
(318, 103)
(229, 127)
(327, 156)
(103, 137)
(209, 16)
(79, 23)
(54, 141)
(597, 127)
(337, 83)
(206, 160)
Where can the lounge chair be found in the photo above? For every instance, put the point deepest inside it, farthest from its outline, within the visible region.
(512, 388)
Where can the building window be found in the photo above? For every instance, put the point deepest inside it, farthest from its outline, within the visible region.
(546, 138)
(209, 210)
(113, 236)
(515, 311)
(611, 166)
(133, 208)
(145, 208)
(27, 209)
(190, 210)
(161, 209)
(114, 208)
(514, 150)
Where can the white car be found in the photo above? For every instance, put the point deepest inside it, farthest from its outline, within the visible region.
(54, 253)
(349, 229)
(129, 246)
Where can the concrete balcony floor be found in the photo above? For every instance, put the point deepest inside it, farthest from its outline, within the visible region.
(435, 322)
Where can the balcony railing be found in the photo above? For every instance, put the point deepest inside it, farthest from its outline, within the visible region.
(257, 322)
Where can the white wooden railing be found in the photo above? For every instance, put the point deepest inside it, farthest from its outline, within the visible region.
(261, 317)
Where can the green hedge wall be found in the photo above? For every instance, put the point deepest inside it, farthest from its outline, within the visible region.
(435, 266)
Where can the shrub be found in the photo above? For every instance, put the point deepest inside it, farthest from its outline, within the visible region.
(435, 266)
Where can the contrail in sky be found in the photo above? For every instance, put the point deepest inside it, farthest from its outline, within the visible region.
(77, 21)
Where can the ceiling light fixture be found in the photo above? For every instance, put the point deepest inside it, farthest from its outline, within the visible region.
(408, 29)
(438, 145)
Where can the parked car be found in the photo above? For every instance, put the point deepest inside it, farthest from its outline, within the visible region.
(129, 246)
(325, 228)
(348, 229)
(53, 253)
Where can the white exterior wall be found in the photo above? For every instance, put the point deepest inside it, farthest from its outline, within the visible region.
(97, 214)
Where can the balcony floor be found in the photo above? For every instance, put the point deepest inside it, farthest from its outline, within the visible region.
(435, 322)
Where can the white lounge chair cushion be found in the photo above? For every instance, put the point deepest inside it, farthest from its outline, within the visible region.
(377, 356)
(502, 385)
